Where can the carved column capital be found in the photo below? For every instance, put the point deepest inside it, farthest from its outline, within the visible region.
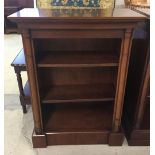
(26, 33)
(128, 33)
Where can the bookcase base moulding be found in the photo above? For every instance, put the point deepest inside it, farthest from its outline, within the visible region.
(139, 138)
(77, 138)
(77, 64)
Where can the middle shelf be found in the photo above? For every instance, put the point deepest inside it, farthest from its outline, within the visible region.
(79, 52)
(78, 59)
(61, 85)
(78, 93)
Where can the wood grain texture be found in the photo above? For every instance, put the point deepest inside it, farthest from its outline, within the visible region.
(76, 76)
(86, 117)
(121, 80)
(77, 138)
(78, 59)
(78, 93)
(32, 81)
(39, 141)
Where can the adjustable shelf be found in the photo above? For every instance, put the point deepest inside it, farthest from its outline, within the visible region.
(78, 93)
(78, 59)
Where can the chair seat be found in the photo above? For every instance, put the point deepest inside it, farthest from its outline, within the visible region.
(19, 59)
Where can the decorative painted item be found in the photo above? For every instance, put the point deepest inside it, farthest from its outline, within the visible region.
(71, 4)
(137, 3)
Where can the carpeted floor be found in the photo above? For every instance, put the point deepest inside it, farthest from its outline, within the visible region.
(19, 126)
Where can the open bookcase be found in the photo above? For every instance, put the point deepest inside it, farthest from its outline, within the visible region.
(77, 84)
(77, 63)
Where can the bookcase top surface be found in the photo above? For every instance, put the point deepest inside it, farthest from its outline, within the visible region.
(38, 14)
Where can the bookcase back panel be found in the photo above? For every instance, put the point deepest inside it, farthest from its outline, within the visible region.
(136, 67)
(78, 76)
(77, 44)
(90, 117)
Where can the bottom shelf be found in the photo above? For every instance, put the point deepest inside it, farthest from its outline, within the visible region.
(77, 124)
(82, 117)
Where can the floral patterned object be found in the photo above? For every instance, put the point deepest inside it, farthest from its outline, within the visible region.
(71, 4)
(79, 3)
(78, 12)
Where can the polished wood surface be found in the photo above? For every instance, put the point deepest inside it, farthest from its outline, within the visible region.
(88, 116)
(94, 123)
(44, 14)
(78, 93)
(77, 52)
(77, 74)
(83, 59)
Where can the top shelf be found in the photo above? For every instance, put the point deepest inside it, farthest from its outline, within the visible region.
(78, 59)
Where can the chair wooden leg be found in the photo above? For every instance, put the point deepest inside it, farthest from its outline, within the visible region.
(24, 109)
(21, 90)
(23, 104)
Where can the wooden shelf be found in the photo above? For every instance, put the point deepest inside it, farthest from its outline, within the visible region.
(78, 59)
(78, 93)
(78, 118)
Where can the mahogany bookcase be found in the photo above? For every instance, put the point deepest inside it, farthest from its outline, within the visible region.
(136, 113)
(77, 64)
